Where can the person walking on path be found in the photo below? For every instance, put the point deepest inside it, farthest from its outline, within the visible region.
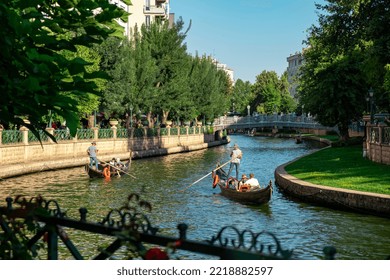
(236, 156)
(92, 151)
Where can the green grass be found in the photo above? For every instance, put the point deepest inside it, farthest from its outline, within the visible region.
(342, 167)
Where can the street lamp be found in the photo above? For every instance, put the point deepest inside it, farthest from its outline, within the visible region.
(249, 108)
(371, 96)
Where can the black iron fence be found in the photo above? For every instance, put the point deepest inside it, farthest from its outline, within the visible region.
(35, 226)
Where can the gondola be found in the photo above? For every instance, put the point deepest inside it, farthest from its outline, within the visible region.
(228, 189)
(98, 173)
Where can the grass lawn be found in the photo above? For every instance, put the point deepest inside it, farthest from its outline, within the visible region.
(342, 167)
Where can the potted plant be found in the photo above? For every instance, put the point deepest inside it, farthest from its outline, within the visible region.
(113, 122)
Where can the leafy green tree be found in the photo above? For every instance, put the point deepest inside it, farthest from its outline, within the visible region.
(242, 96)
(287, 102)
(35, 77)
(169, 52)
(347, 55)
(270, 94)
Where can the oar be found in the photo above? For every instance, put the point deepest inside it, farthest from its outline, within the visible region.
(119, 169)
(208, 174)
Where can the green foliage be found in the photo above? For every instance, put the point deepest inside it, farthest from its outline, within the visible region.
(35, 75)
(348, 54)
(270, 94)
(242, 96)
(154, 74)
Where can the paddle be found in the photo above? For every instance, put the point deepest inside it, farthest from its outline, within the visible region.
(208, 174)
(119, 169)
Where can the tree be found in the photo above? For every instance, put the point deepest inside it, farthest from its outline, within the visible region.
(35, 76)
(168, 50)
(346, 56)
(242, 96)
(270, 94)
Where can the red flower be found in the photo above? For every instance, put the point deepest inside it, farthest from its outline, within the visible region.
(156, 254)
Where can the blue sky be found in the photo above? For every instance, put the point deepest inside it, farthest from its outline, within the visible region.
(248, 35)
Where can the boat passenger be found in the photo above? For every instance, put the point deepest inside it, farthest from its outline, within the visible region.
(244, 178)
(118, 163)
(253, 182)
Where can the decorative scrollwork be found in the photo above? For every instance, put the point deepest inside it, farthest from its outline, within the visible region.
(262, 243)
(129, 217)
(51, 206)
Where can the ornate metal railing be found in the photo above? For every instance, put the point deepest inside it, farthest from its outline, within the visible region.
(105, 133)
(26, 136)
(85, 134)
(11, 136)
(122, 133)
(32, 138)
(62, 134)
(32, 227)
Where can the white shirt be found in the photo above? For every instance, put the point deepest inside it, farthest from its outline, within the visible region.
(236, 154)
(252, 182)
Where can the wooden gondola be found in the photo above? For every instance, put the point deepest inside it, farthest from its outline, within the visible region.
(228, 189)
(98, 173)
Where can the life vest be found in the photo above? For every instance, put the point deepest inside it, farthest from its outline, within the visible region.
(244, 188)
(107, 172)
(215, 179)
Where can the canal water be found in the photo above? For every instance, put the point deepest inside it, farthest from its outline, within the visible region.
(164, 182)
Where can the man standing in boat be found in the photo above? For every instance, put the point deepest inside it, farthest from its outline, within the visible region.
(92, 151)
(236, 156)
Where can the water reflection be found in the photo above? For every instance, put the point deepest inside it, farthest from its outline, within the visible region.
(164, 182)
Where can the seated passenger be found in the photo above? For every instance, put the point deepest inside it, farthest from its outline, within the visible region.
(242, 181)
(252, 181)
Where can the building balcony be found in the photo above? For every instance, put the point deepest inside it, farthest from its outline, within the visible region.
(155, 10)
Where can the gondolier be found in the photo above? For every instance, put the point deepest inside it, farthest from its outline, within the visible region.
(92, 151)
(236, 156)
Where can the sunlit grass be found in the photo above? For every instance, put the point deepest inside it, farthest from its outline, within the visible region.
(342, 167)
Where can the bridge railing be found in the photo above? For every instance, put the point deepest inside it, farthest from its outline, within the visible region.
(30, 227)
(289, 120)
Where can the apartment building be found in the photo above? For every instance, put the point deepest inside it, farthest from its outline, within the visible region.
(143, 12)
(294, 63)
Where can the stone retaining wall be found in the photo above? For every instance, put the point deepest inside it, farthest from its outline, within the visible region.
(22, 159)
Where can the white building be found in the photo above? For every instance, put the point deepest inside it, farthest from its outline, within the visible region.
(294, 63)
(143, 12)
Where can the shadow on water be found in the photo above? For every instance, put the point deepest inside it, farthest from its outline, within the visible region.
(164, 181)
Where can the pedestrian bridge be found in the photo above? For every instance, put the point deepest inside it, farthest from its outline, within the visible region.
(276, 122)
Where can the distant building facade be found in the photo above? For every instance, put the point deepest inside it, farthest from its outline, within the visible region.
(228, 71)
(143, 12)
(295, 61)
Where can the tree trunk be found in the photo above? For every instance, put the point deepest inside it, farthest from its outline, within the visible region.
(150, 120)
(344, 132)
(165, 117)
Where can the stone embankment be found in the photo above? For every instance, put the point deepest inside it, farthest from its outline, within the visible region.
(24, 159)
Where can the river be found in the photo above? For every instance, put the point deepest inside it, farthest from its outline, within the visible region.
(163, 181)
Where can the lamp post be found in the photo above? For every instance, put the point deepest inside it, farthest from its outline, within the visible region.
(371, 96)
(249, 108)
